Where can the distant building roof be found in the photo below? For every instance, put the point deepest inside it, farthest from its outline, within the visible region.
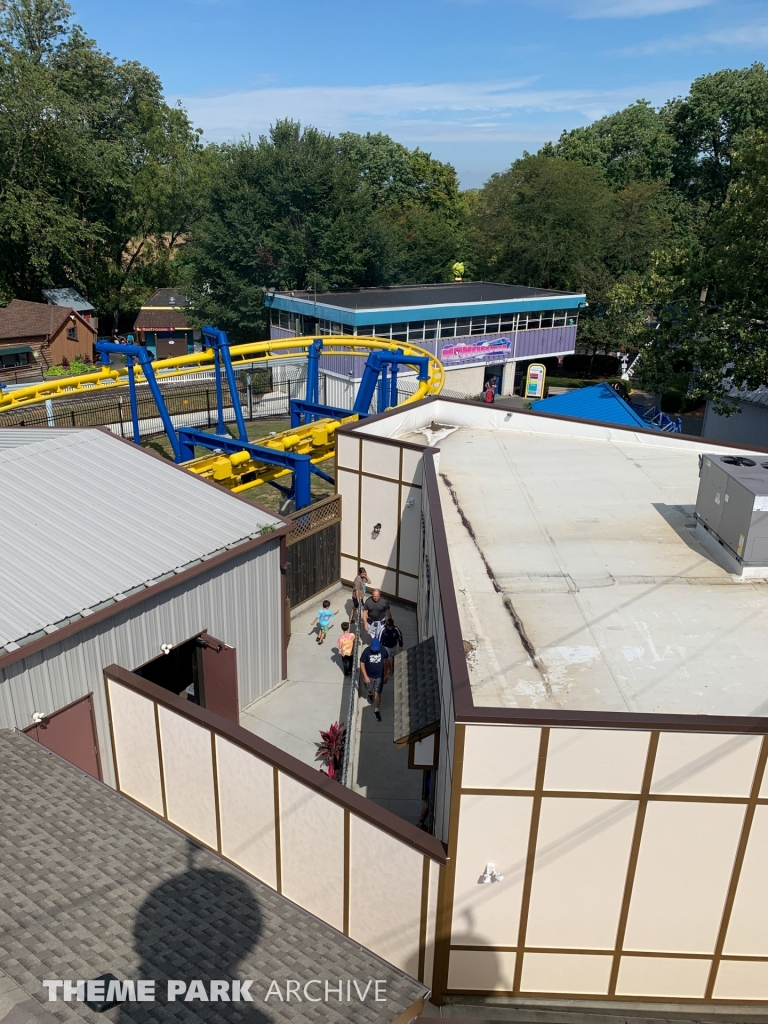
(422, 301)
(416, 692)
(67, 297)
(65, 477)
(598, 402)
(94, 885)
(22, 319)
(163, 311)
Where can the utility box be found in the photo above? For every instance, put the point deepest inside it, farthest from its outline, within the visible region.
(732, 506)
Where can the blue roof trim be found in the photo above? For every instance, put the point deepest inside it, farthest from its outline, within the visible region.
(597, 402)
(405, 314)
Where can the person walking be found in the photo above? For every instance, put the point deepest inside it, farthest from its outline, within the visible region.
(323, 621)
(375, 611)
(358, 590)
(346, 645)
(372, 662)
(392, 642)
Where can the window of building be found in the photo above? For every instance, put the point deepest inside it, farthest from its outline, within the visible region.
(72, 333)
(447, 328)
(558, 318)
(477, 325)
(416, 330)
(399, 332)
(430, 329)
(463, 327)
(508, 322)
(546, 319)
(572, 319)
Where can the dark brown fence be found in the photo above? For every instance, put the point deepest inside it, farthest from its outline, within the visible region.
(314, 549)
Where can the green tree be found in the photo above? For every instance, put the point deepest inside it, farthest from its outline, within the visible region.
(721, 111)
(93, 163)
(632, 145)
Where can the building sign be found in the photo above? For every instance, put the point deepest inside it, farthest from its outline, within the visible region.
(476, 350)
(534, 381)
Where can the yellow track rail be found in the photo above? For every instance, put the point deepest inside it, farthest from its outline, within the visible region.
(251, 352)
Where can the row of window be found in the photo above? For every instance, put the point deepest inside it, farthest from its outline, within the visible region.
(429, 330)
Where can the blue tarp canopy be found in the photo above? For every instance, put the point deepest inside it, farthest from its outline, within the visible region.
(597, 402)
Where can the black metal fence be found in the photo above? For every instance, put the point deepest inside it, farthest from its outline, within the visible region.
(191, 404)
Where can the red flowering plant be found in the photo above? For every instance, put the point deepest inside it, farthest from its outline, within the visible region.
(331, 749)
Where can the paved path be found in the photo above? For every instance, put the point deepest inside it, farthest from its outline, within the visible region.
(316, 694)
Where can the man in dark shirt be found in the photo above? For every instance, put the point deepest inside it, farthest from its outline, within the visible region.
(375, 611)
(372, 662)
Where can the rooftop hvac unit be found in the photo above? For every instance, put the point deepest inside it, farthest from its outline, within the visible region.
(732, 508)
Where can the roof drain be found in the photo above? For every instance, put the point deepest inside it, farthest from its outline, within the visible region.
(530, 650)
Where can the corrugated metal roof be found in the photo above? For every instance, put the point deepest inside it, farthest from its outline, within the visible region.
(89, 520)
(598, 402)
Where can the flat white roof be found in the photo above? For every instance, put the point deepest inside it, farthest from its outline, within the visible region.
(89, 520)
(606, 600)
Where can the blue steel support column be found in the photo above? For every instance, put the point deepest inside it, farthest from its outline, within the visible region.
(145, 361)
(313, 371)
(220, 428)
(367, 384)
(393, 385)
(382, 390)
(226, 358)
(134, 402)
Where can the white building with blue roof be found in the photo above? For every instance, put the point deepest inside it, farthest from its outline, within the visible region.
(477, 329)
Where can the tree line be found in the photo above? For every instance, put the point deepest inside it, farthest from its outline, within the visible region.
(659, 215)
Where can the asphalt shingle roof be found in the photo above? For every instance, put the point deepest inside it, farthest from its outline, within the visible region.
(91, 884)
(417, 692)
(22, 319)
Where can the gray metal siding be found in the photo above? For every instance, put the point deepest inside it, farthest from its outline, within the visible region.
(238, 602)
(749, 426)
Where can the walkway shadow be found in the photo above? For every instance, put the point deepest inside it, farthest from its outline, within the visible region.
(197, 925)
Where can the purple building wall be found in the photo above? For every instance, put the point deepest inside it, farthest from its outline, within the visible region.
(469, 351)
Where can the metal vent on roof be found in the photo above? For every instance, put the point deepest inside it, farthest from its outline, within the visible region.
(739, 460)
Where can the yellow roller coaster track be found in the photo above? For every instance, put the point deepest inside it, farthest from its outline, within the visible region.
(242, 355)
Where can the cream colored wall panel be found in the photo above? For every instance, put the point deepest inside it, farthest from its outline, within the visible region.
(596, 760)
(476, 971)
(348, 487)
(424, 751)
(703, 764)
(685, 863)
(582, 852)
(135, 732)
(429, 938)
(383, 579)
(379, 505)
(347, 452)
(491, 828)
(380, 864)
(566, 972)
(188, 773)
(670, 977)
(412, 467)
(349, 567)
(381, 459)
(410, 530)
(748, 928)
(408, 588)
(311, 831)
(741, 980)
(247, 810)
(500, 757)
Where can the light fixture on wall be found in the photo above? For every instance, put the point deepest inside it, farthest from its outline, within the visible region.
(166, 648)
(37, 717)
(377, 530)
(490, 874)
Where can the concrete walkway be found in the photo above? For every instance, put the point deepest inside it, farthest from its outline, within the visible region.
(380, 769)
(316, 694)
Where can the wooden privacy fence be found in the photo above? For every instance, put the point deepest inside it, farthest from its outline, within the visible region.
(314, 549)
(299, 832)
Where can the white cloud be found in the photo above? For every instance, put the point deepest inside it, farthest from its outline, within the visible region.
(418, 113)
(633, 8)
(750, 36)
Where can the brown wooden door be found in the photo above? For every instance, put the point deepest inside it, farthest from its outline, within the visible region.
(219, 678)
(71, 733)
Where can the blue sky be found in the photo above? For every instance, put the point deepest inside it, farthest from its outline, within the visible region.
(474, 82)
